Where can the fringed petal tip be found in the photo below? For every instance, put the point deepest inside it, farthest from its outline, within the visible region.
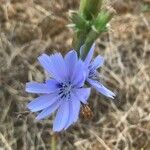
(101, 88)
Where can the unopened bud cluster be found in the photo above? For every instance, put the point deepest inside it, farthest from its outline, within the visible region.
(89, 22)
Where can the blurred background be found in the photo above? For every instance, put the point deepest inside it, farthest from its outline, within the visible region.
(30, 27)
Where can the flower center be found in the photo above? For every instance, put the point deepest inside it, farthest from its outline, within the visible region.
(65, 90)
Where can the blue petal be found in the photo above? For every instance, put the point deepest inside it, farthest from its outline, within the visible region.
(45, 61)
(89, 55)
(58, 67)
(48, 111)
(82, 94)
(100, 88)
(97, 62)
(71, 115)
(55, 65)
(79, 74)
(71, 60)
(61, 117)
(34, 87)
(42, 102)
(52, 84)
(46, 88)
(74, 109)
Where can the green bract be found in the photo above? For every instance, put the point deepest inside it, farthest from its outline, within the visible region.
(80, 22)
(100, 22)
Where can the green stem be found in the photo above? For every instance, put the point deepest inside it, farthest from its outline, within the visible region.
(79, 40)
(91, 37)
(87, 9)
(90, 23)
(53, 142)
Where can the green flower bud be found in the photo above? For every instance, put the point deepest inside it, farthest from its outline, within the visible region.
(90, 8)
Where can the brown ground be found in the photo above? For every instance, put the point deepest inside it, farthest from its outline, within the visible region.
(30, 27)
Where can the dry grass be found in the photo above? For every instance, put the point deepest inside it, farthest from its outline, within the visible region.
(30, 27)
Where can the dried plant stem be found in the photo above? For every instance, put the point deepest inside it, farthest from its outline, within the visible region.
(53, 142)
(5, 142)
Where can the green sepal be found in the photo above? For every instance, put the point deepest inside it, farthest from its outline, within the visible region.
(79, 21)
(100, 22)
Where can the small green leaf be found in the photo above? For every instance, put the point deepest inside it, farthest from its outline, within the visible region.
(101, 21)
(79, 21)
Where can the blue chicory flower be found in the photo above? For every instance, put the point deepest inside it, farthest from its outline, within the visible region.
(64, 91)
(92, 73)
